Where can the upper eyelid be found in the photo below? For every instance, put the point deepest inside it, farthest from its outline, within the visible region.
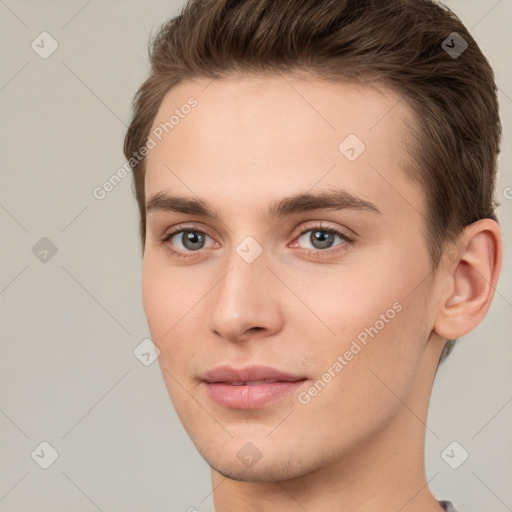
(315, 224)
(180, 228)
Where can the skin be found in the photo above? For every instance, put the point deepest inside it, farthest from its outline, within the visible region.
(359, 443)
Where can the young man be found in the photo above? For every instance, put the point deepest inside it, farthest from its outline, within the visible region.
(315, 182)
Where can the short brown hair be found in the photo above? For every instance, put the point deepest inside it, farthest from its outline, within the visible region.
(403, 44)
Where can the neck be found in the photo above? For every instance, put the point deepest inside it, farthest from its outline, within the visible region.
(384, 472)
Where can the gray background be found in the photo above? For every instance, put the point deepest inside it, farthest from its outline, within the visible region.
(68, 375)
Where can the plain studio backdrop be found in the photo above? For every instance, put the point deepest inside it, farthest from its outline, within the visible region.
(70, 285)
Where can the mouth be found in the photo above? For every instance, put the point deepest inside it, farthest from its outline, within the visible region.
(249, 388)
(251, 382)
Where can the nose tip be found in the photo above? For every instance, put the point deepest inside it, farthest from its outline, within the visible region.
(245, 302)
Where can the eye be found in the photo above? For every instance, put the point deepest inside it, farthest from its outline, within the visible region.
(322, 241)
(185, 241)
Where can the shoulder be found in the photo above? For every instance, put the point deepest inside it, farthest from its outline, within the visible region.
(448, 506)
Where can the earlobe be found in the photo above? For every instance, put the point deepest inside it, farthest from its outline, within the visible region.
(473, 275)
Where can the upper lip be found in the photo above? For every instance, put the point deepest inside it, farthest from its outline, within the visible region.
(249, 373)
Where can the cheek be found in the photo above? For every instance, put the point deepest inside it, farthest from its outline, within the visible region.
(373, 314)
(156, 298)
(386, 317)
(329, 306)
(162, 304)
(366, 373)
(170, 299)
(343, 301)
(168, 295)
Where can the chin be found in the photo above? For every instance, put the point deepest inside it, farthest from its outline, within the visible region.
(244, 475)
(265, 470)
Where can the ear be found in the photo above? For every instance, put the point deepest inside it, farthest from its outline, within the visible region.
(472, 271)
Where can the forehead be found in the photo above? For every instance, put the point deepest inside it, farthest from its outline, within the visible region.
(261, 136)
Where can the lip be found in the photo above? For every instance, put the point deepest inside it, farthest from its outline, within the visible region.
(251, 387)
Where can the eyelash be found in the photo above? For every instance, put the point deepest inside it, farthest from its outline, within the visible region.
(315, 253)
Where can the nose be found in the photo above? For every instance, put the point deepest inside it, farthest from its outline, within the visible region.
(247, 301)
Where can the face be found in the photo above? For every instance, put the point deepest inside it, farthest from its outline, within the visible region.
(283, 323)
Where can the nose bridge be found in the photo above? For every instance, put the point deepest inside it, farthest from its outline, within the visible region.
(247, 296)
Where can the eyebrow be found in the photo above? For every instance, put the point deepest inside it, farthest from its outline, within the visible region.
(335, 199)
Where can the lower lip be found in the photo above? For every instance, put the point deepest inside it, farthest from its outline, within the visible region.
(250, 397)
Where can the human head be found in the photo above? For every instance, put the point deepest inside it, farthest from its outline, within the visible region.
(262, 129)
(454, 139)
